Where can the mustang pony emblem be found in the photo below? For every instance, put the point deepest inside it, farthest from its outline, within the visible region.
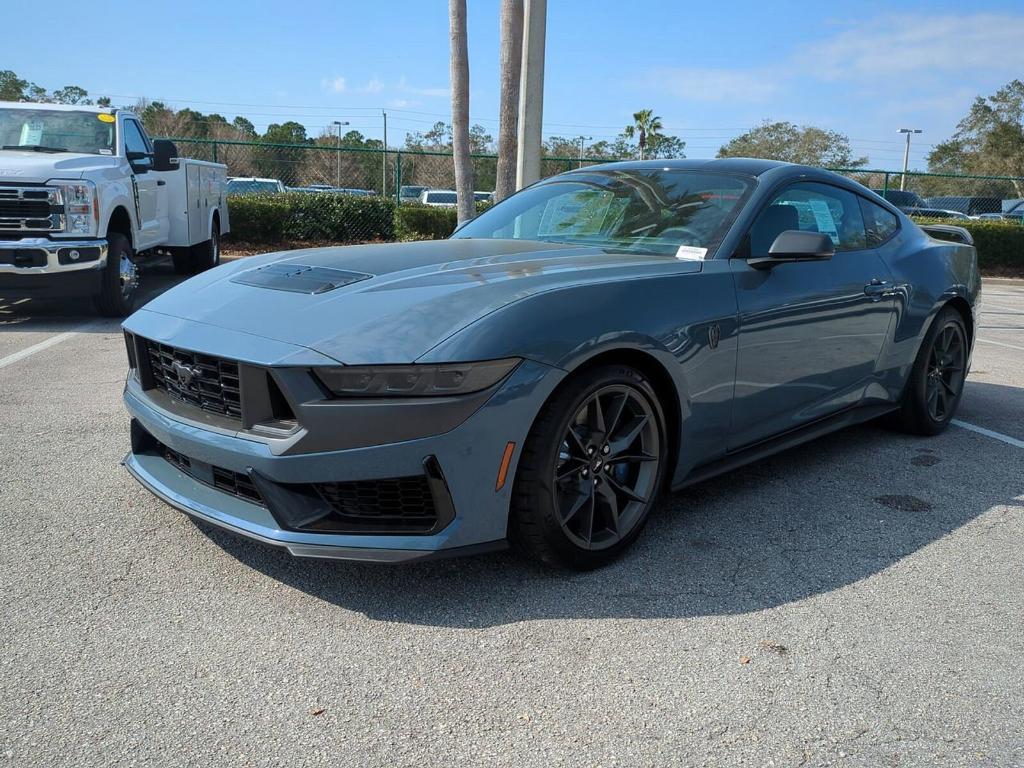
(186, 373)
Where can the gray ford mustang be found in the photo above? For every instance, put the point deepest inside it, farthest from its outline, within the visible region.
(544, 376)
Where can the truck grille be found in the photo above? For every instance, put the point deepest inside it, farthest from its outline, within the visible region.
(30, 209)
(203, 381)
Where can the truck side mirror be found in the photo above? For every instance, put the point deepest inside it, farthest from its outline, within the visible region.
(165, 155)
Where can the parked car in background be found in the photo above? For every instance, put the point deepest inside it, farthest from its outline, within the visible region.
(441, 198)
(937, 213)
(86, 195)
(904, 200)
(327, 189)
(410, 193)
(542, 377)
(1014, 213)
(971, 206)
(251, 185)
(483, 197)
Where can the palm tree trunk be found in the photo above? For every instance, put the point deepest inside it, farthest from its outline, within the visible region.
(460, 109)
(508, 108)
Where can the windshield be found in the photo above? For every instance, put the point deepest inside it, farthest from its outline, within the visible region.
(251, 187)
(648, 211)
(441, 197)
(90, 133)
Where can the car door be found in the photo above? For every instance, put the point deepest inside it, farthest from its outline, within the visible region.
(150, 189)
(810, 332)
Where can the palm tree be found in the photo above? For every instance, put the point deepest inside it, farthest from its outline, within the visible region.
(511, 60)
(646, 127)
(460, 110)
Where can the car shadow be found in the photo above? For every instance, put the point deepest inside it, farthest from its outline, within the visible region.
(25, 312)
(810, 520)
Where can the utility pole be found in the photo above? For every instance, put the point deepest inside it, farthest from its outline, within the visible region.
(906, 154)
(583, 139)
(384, 159)
(531, 93)
(337, 180)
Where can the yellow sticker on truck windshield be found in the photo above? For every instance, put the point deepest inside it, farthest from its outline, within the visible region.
(105, 118)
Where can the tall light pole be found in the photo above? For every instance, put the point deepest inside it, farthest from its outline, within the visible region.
(582, 140)
(906, 154)
(531, 93)
(337, 180)
(384, 159)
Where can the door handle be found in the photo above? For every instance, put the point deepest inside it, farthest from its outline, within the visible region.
(878, 289)
(161, 183)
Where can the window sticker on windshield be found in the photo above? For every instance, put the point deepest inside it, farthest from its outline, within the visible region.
(691, 253)
(31, 133)
(105, 118)
(105, 151)
(823, 218)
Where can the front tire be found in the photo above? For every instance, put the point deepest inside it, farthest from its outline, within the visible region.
(937, 378)
(591, 470)
(119, 282)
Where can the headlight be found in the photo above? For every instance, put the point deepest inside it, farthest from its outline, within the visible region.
(414, 380)
(81, 214)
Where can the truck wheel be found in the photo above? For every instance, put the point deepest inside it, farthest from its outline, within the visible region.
(184, 264)
(119, 283)
(207, 255)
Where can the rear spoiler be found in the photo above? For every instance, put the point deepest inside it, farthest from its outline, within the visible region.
(948, 232)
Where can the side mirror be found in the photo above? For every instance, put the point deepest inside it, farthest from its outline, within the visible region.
(140, 161)
(795, 245)
(165, 155)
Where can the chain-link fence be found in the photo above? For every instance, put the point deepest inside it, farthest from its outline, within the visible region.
(947, 195)
(322, 167)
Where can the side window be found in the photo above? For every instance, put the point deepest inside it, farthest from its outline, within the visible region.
(811, 207)
(879, 223)
(134, 140)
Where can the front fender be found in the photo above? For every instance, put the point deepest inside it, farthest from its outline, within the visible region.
(685, 323)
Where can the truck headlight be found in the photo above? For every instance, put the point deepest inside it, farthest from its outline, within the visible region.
(417, 380)
(81, 213)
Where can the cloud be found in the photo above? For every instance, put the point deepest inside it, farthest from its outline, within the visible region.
(374, 85)
(898, 45)
(403, 103)
(404, 87)
(700, 84)
(336, 84)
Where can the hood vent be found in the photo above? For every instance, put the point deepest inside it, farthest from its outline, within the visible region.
(298, 278)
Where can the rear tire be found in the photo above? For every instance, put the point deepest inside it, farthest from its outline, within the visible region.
(591, 470)
(207, 255)
(937, 379)
(119, 282)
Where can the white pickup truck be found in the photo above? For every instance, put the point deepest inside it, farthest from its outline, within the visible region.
(85, 195)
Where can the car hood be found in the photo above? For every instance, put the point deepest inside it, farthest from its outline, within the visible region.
(403, 298)
(16, 165)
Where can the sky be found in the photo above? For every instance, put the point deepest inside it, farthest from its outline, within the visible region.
(710, 70)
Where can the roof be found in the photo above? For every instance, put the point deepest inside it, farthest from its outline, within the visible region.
(746, 165)
(57, 107)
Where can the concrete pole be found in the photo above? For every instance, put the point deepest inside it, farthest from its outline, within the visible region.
(531, 93)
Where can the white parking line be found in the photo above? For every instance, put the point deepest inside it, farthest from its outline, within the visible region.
(44, 344)
(1001, 344)
(988, 433)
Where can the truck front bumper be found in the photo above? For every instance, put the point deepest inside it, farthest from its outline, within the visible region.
(38, 265)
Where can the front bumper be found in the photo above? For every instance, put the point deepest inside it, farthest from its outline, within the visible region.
(42, 267)
(467, 457)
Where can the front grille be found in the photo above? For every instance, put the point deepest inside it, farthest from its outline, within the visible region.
(229, 481)
(402, 502)
(29, 209)
(204, 381)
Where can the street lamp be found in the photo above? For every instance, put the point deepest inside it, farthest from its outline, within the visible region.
(906, 154)
(339, 123)
(582, 140)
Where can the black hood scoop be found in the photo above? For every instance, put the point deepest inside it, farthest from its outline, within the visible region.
(299, 278)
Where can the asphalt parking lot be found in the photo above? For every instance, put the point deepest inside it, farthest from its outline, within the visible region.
(856, 601)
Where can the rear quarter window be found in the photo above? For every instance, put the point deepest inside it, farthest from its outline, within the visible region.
(879, 224)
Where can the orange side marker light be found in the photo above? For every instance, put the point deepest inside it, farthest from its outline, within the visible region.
(506, 459)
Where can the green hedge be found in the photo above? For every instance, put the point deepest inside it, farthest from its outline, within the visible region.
(1000, 244)
(415, 221)
(319, 216)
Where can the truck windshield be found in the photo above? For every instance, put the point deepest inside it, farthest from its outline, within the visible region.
(89, 133)
(649, 210)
